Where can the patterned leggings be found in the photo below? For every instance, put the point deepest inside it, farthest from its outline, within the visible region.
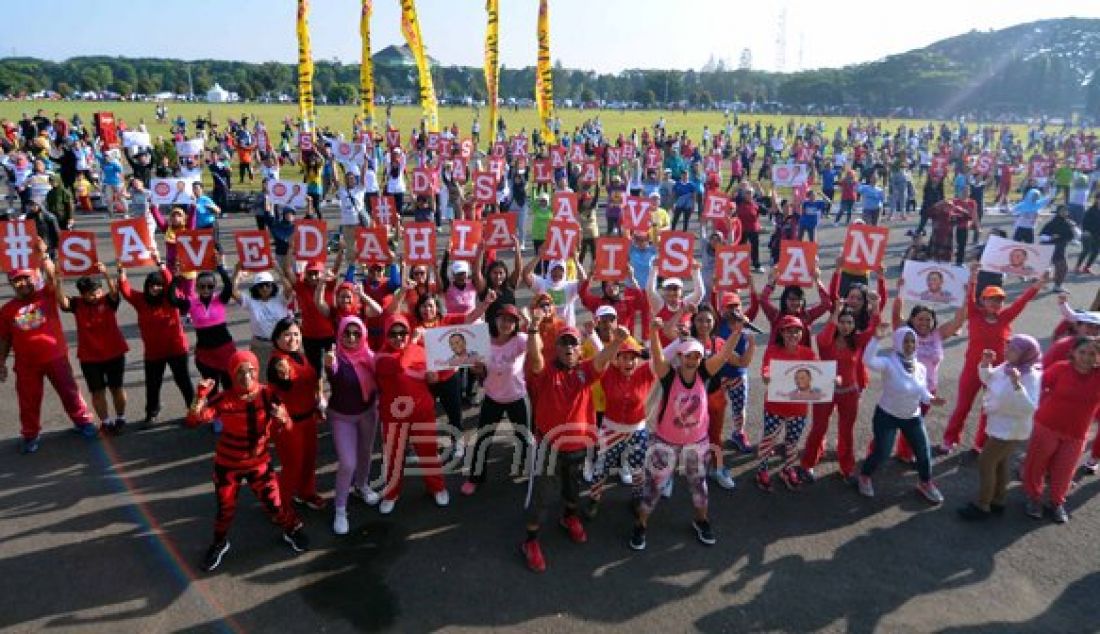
(661, 466)
(768, 442)
(261, 479)
(738, 396)
(619, 449)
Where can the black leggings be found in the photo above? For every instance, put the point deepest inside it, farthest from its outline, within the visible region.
(1089, 249)
(492, 413)
(154, 377)
(752, 238)
(449, 393)
(678, 213)
(960, 245)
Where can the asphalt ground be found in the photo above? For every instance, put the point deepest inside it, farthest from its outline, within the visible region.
(108, 535)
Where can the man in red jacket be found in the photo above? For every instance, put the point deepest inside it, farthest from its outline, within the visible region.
(30, 326)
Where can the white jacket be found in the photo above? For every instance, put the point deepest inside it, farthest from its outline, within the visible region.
(1008, 410)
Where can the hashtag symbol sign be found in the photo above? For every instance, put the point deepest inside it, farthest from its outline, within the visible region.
(18, 238)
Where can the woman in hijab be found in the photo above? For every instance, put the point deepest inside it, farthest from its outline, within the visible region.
(1011, 398)
(353, 414)
(904, 389)
(297, 386)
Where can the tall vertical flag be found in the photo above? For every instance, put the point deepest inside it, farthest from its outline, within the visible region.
(544, 74)
(305, 67)
(366, 68)
(410, 26)
(492, 61)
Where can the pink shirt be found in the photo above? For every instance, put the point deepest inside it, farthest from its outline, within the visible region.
(504, 382)
(460, 301)
(930, 353)
(685, 419)
(203, 316)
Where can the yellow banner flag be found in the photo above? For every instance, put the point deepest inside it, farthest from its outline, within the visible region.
(366, 69)
(544, 75)
(492, 62)
(305, 66)
(410, 26)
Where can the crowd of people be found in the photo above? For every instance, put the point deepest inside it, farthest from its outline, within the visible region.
(633, 379)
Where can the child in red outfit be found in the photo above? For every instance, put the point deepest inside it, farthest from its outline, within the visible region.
(248, 412)
(988, 326)
(30, 327)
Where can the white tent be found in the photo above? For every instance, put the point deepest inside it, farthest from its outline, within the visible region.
(217, 94)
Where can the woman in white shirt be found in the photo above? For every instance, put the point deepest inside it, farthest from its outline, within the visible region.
(1011, 398)
(904, 389)
(353, 211)
(265, 306)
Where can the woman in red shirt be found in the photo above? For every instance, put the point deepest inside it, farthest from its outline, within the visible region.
(840, 341)
(100, 348)
(297, 385)
(989, 326)
(1069, 400)
(163, 340)
(791, 417)
(407, 409)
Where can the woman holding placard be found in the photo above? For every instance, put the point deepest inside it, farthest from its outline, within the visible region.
(790, 418)
(904, 390)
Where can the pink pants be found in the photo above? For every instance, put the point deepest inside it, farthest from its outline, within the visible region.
(29, 389)
(969, 386)
(1054, 455)
(847, 407)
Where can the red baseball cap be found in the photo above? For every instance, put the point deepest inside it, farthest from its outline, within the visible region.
(316, 266)
(17, 273)
(789, 321)
(568, 331)
(729, 298)
(993, 291)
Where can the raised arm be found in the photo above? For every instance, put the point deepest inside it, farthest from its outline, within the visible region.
(657, 358)
(603, 357)
(727, 354)
(699, 289)
(534, 361)
(951, 328)
(479, 311)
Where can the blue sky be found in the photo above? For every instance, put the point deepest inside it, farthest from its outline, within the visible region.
(602, 35)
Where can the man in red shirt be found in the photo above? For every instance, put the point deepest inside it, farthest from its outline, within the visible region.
(627, 302)
(30, 326)
(100, 346)
(565, 426)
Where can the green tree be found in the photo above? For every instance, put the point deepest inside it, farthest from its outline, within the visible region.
(342, 93)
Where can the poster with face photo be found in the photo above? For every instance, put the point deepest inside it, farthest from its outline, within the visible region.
(802, 381)
(460, 346)
(934, 283)
(1016, 258)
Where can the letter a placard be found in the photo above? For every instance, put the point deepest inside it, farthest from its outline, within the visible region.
(797, 262)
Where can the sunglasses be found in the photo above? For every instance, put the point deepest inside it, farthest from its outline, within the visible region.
(398, 334)
(355, 334)
(206, 287)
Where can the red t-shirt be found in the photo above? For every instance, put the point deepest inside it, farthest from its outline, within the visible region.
(779, 353)
(1068, 400)
(564, 411)
(314, 324)
(162, 333)
(630, 302)
(1059, 351)
(625, 396)
(97, 335)
(987, 335)
(33, 328)
(301, 397)
(404, 395)
(849, 362)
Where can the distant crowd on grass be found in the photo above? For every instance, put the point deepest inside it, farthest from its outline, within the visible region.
(633, 368)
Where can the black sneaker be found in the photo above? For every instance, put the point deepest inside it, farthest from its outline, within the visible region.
(214, 555)
(297, 540)
(637, 539)
(972, 513)
(703, 532)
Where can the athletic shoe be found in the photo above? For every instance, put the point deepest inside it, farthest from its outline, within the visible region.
(469, 487)
(930, 492)
(943, 449)
(789, 477)
(1091, 465)
(386, 507)
(87, 430)
(1034, 509)
(637, 538)
(866, 489)
(532, 552)
(666, 490)
(806, 476)
(725, 479)
(119, 425)
(214, 555)
(442, 498)
(763, 481)
(297, 540)
(315, 502)
(626, 477)
(460, 449)
(1060, 514)
(29, 445)
(572, 525)
(703, 532)
(1057, 290)
(592, 509)
(148, 422)
(367, 494)
(972, 513)
(741, 442)
(340, 522)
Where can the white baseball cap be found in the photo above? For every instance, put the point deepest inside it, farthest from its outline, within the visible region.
(263, 277)
(672, 282)
(460, 266)
(606, 311)
(687, 346)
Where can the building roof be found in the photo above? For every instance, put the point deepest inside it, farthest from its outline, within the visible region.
(398, 56)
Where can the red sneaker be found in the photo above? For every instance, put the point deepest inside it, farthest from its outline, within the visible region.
(572, 525)
(532, 552)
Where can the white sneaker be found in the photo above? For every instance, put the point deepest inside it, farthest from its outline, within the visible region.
(369, 495)
(626, 477)
(386, 506)
(724, 479)
(442, 498)
(460, 449)
(340, 522)
(866, 489)
(930, 492)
